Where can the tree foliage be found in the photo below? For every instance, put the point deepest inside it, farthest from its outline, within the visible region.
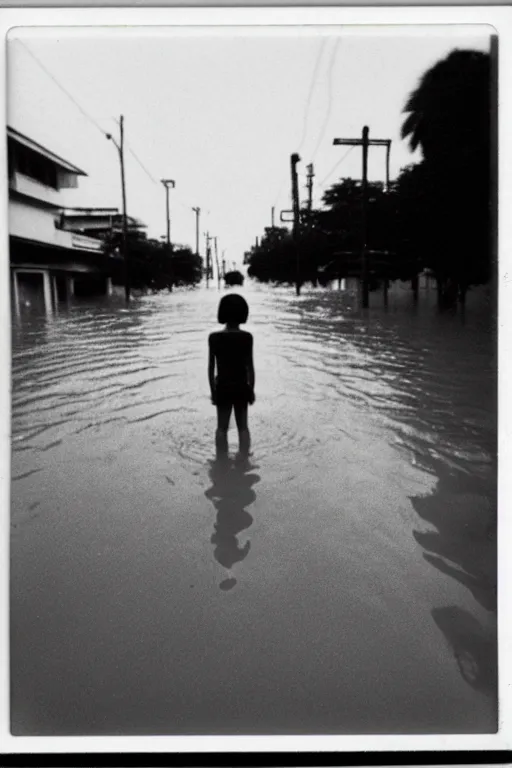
(449, 119)
(448, 113)
(329, 242)
(151, 265)
(436, 215)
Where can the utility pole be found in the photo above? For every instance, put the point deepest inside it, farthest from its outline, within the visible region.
(125, 227)
(197, 212)
(169, 183)
(273, 216)
(364, 223)
(388, 154)
(208, 255)
(120, 150)
(294, 160)
(223, 264)
(309, 185)
(217, 261)
(365, 142)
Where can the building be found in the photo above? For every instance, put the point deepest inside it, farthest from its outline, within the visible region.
(99, 222)
(49, 263)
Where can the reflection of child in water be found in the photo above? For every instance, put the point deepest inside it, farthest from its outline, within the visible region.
(231, 372)
(228, 550)
(230, 492)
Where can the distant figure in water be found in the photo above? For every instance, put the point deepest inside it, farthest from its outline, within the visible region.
(231, 372)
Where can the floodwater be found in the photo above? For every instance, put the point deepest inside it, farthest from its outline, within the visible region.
(344, 582)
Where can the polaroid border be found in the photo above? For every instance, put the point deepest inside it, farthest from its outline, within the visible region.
(487, 748)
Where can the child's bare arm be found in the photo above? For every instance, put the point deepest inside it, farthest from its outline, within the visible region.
(251, 378)
(211, 366)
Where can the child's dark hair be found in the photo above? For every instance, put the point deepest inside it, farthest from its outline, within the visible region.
(233, 310)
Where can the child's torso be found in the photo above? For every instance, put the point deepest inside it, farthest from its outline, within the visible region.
(232, 350)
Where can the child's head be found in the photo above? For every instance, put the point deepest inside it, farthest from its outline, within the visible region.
(233, 310)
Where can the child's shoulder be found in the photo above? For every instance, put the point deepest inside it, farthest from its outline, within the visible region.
(247, 339)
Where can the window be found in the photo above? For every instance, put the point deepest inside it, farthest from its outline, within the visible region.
(10, 160)
(33, 165)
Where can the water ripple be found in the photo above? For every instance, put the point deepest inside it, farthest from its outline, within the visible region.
(322, 369)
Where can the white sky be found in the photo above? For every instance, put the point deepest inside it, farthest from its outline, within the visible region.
(219, 113)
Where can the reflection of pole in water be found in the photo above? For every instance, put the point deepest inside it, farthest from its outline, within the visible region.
(230, 493)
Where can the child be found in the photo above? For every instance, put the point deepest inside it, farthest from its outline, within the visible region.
(233, 386)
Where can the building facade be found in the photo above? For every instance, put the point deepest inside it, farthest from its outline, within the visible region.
(99, 222)
(48, 262)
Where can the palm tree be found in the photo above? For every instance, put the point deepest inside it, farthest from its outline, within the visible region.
(449, 111)
(449, 119)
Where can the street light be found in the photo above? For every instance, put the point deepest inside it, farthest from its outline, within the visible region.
(197, 212)
(120, 149)
(168, 184)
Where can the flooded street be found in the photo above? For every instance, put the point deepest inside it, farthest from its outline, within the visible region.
(343, 583)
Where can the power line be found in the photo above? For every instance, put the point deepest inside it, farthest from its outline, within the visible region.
(81, 109)
(91, 119)
(139, 161)
(307, 106)
(339, 162)
(310, 92)
(329, 98)
(64, 90)
(185, 206)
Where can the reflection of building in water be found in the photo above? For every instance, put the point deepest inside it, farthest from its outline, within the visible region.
(231, 492)
(50, 259)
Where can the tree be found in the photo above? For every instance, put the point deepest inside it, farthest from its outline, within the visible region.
(187, 266)
(330, 239)
(415, 223)
(342, 221)
(150, 263)
(273, 259)
(448, 118)
(448, 113)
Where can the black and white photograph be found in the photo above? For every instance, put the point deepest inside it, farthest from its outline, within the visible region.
(253, 277)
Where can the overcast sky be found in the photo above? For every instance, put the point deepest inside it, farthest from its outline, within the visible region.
(220, 114)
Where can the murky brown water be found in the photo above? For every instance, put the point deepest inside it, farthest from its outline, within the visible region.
(355, 559)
